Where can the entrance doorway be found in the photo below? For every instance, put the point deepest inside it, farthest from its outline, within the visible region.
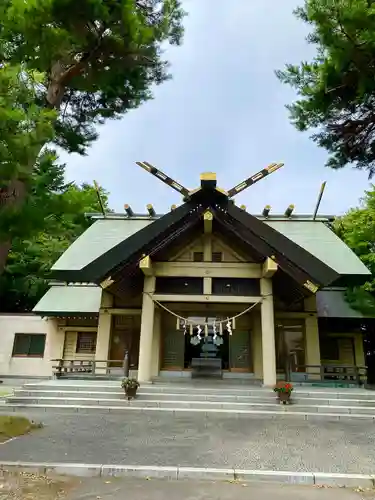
(179, 347)
(210, 345)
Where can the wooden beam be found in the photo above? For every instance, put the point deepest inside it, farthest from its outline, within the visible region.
(216, 299)
(145, 265)
(151, 210)
(292, 315)
(207, 220)
(207, 269)
(128, 210)
(254, 178)
(77, 328)
(208, 180)
(107, 282)
(269, 268)
(121, 311)
(207, 286)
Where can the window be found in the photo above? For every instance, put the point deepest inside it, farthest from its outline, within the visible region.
(217, 257)
(86, 342)
(31, 345)
(198, 256)
(192, 286)
(235, 286)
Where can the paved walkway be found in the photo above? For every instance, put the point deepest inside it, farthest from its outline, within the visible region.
(243, 442)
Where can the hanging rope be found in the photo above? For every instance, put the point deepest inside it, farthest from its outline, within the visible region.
(187, 321)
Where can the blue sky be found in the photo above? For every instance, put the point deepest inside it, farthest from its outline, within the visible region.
(223, 111)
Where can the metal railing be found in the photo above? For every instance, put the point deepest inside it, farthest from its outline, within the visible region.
(350, 374)
(91, 367)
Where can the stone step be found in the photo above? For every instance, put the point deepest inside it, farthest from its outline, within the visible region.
(207, 390)
(190, 405)
(153, 389)
(166, 396)
(286, 412)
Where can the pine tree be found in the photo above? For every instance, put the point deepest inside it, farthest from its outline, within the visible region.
(336, 90)
(86, 61)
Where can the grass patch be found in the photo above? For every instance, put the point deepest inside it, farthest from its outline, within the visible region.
(15, 426)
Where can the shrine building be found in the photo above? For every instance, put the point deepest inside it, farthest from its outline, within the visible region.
(206, 289)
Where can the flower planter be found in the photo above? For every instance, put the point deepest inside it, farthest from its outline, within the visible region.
(284, 397)
(131, 392)
(130, 386)
(284, 391)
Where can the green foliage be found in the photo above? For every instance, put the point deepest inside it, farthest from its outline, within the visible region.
(357, 230)
(65, 67)
(64, 206)
(99, 58)
(337, 88)
(24, 128)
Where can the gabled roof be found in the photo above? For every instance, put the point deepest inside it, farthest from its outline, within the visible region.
(314, 236)
(110, 244)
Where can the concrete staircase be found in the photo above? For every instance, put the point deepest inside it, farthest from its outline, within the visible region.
(194, 397)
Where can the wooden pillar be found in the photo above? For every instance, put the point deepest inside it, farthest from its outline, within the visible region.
(268, 333)
(256, 337)
(156, 343)
(103, 337)
(312, 346)
(147, 330)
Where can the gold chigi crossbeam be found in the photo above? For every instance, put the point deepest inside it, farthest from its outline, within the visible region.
(212, 178)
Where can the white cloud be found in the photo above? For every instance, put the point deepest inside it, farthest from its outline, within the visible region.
(224, 112)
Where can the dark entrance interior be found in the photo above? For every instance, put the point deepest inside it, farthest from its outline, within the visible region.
(208, 345)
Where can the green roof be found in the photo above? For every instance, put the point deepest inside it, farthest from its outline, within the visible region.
(332, 304)
(313, 236)
(97, 240)
(70, 299)
(319, 240)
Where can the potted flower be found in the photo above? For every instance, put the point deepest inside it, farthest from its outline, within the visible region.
(283, 390)
(130, 386)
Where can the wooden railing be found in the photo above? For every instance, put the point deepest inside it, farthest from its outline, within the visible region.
(92, 367)
(328, 372)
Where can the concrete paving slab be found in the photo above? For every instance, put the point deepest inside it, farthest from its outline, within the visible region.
(244, 442)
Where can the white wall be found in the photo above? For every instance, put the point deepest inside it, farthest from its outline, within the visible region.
(28, 323)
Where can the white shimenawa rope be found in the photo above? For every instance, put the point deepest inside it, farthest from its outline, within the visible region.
(189, 322)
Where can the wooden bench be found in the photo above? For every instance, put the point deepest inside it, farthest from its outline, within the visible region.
(206, 367)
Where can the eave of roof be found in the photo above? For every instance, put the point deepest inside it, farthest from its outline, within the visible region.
(65, 300)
